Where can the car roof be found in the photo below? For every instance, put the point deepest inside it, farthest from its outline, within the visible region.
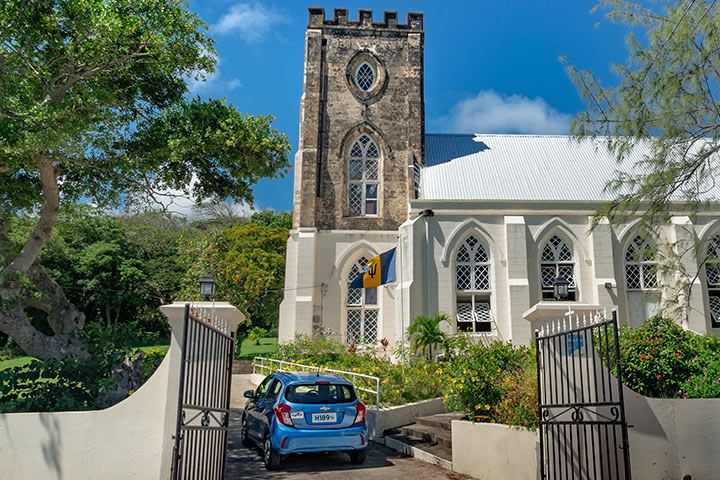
(314, 377)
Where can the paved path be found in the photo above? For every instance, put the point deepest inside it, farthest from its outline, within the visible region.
(382, 463)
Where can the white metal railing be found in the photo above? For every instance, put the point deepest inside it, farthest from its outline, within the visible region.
(266, 366)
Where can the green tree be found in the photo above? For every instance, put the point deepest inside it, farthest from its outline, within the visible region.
(248, 263)
(272, 218)
(256, 334)
(666, 101)
(425, 333)
(667, 98)
(92, 107)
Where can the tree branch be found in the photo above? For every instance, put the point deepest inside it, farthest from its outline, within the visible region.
(48, 217)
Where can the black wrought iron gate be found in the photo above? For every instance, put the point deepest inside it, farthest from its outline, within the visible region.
(204, 397)
(583, 431)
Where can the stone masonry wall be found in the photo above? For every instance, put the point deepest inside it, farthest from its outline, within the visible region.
(333, 112)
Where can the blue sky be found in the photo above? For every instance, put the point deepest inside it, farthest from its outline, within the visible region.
(490, 66)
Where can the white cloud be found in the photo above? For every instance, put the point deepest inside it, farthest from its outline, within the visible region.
(214, 82)
(250, 21)
(178, 202)
(490, 112)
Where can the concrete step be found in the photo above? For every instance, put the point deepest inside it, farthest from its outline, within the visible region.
(428, 434)
(427, 452)
(443, 420)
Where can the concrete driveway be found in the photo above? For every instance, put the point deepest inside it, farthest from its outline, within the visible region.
(381, 463)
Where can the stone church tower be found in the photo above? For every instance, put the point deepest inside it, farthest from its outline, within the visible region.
(360, 77)
(360, 149)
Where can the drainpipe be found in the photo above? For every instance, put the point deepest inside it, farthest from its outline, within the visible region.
(427, 213)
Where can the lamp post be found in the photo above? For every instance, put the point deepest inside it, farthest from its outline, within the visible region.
(560, 288)
(207, 286)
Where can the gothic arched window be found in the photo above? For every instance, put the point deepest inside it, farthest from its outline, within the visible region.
(361, 307)
(472, 286)
(712, 274)
(641, 268)
(556, 260)
(363, 177)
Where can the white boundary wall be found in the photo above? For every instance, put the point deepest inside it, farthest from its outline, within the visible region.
(673, 438)
(123, 441)
(133, 439)
(489, 451)
(392, 417)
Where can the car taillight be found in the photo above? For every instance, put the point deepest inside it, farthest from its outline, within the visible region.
(282, 412)
(359, 413)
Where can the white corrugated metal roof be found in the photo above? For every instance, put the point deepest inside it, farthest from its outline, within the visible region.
(520, 167)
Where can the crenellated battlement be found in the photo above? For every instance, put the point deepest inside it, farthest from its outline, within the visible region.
(365, 19)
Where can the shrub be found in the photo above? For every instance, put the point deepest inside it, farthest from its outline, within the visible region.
(318, 350)
(519, 405)
(482, 378)
(661, 359)
(151, 362)
(416, 380)
(69, 383)
(10, 350)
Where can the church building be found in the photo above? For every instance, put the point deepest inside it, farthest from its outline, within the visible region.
(484, 225)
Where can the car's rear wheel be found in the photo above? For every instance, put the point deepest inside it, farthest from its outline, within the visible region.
(244, 433)
(358, 456)
(270, 457)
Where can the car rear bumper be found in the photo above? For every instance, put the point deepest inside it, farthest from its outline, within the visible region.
(294, 440)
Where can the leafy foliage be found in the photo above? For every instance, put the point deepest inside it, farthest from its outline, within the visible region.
(666, 97)
(151, 362)
(425, 333)
(414, 381)
(93, 109)
(116, 269)
(70, 383)
(248, 263)
(256, 334)
(493, 383)
(661, 359)
(272, 218)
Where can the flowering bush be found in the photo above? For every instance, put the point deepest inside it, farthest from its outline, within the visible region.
(494, 384)
(661, 359)
(417, 380)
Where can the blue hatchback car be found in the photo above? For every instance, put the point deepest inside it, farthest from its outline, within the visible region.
(304, 412)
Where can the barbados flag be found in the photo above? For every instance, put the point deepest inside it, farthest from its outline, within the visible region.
(378, 271)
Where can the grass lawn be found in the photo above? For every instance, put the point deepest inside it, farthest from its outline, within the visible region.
(15, 362)
(20, 361)
(250, 350)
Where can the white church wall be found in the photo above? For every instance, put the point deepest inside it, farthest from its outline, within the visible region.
(513, 240)
(296, 309)
(336, 253)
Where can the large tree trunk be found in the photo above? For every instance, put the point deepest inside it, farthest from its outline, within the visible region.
(63, 317)
(14, 323)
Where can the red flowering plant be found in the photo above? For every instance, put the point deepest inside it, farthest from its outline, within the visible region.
(661, 359)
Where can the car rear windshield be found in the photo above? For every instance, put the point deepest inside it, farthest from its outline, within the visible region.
(320, 393)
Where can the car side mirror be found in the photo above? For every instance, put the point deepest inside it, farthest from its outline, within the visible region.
(249, 394)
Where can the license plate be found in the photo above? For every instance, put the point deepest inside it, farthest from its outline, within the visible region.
(324, 417)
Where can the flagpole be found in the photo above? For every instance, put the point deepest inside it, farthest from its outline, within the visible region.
(402, 307)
